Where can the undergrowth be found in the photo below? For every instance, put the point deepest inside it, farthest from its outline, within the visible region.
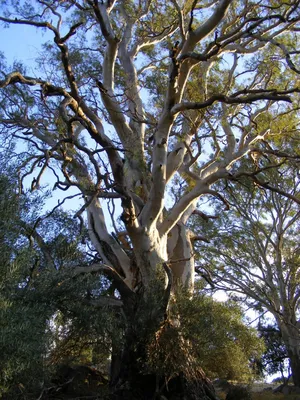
(277, 396)
(266, 396)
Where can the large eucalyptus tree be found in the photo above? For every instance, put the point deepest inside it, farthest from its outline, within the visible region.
(132, 100)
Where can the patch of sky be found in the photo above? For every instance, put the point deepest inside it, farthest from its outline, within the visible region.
(22, 42)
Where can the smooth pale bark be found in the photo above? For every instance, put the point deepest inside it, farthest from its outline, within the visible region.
(110, 251)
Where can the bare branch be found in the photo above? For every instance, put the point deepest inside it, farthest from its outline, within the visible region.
(32, 23)
(104, 301)
(108, 271)
(236, 98)
(207, 27)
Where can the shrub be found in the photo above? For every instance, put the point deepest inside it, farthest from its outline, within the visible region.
(239, 393)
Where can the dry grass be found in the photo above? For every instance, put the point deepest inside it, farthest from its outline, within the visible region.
(259, 394)
(277, 396)
(266, 396)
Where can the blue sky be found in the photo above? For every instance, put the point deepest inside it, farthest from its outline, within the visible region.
(21, 42)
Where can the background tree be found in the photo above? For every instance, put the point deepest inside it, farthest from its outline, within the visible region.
(21, 350)
(134, 98)
(224, 345)
(256, 253)
(275, 356)
(48, 317)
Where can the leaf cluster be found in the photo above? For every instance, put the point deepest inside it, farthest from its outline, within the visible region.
(46, 316)
(207, 334)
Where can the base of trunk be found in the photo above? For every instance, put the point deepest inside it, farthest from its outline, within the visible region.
(295, 367)
(149, 387)
(156, 361)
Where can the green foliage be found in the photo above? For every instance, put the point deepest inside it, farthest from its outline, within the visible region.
(23, 326)
(223, 344)
(23, 344)
(213, 333)
(275, 354)
(46, 317)
(239, 393)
